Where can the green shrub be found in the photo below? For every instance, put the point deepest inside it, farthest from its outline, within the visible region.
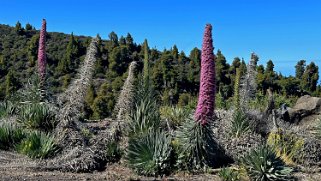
(37, 116)
(195, 145)
(150, 154)
(38, 145)
(113, 152)
(184, 99)
(287, 146)
(32, 91)
(281, 99)
(6, 108)
(263, 164)
(10, 135)
(240, 124)
(260, 102)
(175, 115)
(228, 174)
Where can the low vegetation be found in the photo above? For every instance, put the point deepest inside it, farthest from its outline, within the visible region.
(38, 145)
(263, 164)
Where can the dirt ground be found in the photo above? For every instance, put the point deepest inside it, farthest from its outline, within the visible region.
(14, 166)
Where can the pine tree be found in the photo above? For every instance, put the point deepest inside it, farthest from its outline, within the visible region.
(181, 74)
(68, 63)
(299, 69)
(122, 41)
(11, 83)
(113, 41)
(175, 53)
(33, 50)
(221, 70)
(310, 77)
(260, 78)
(269, 67)
(28, 27)
(193, 69)
(18, 28)
(130, 42)
(119, 60)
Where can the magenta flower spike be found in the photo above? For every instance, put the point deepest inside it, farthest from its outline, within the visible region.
(206, 99)
(42, 52)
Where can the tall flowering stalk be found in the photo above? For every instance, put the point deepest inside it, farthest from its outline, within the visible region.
(236, 89)
(42, 52)
(146, 64)
(206, 100)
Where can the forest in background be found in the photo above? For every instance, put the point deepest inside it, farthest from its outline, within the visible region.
(175, 75)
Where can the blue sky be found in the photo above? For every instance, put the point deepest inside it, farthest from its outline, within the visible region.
(282, 30)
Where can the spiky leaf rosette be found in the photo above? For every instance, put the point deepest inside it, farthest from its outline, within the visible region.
(42, 52)
(206, 100)
(196, 146)
(240, 124)
(263, 164)
(145, 117)
(150, 154)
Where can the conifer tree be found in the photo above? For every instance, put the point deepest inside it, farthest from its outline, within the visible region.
(68, 63)
(18, 28)
(11, 83)
(299, 69)
(33, 50)
(310, 77)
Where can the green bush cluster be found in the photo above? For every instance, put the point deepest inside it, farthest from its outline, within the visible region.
(38, 145)
(36, 116)
(175, 115)
(10, 135)
(7, 108)
(228, 174)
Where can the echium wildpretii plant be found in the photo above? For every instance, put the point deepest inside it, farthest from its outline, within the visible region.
(42, 52)
(195, 140)
(206, 100)
(146, 65)
(237, 89)
(125, 103)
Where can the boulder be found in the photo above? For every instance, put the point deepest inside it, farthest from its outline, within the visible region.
(304, 107)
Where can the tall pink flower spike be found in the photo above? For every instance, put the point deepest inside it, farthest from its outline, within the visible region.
(206, 100)
(42, 52)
